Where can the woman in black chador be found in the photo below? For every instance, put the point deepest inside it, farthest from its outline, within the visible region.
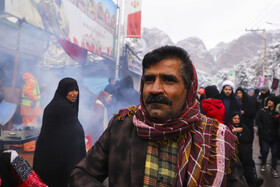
(61, 143)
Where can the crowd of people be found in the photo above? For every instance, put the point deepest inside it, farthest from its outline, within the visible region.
(170, 133)
(241, 111)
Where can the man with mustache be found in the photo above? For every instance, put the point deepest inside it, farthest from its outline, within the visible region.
(164, 141)
(230, 101)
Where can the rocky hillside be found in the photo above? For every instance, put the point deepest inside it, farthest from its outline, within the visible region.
(223, 56)
(201, 58)
(242, 57)
(151, 39)
(245, 47)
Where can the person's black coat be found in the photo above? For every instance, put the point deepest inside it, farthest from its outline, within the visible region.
(5, 171)
(262, 100)
(249, 109)
(234, 105)
(61, 143)
(244, 137)
(254, 100)
(267, 123)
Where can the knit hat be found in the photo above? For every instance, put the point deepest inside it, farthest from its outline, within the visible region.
(264, 88)
(211, 91)
(228, 83)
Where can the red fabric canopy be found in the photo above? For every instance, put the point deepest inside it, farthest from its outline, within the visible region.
(77, 53)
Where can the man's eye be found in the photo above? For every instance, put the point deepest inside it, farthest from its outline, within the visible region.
(169, 79)
(148, 79)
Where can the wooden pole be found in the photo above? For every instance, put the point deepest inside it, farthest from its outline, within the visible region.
(17, 53)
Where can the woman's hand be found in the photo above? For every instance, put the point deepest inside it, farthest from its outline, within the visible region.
(237, 130)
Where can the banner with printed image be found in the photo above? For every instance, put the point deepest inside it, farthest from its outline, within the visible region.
(275, 83)
(134, 62)
(133, 18)
(89, 24)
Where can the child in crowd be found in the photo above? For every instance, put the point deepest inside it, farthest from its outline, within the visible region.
(245, 149)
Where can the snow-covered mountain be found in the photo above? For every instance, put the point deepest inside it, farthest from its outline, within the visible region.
(201, 58)
(245, 47)
(152, 38)
(242, 56)
(219, 49)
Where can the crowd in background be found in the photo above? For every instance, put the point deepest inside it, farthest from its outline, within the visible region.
(246, 112)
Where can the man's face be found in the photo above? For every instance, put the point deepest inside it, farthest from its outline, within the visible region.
(164, 92)
(270, 104)
(251, 93)
(239, 94)
(72, 96)
(227, 90)
(112, 82)
(263, 92)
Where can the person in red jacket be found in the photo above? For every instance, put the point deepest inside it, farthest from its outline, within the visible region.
(213, 107)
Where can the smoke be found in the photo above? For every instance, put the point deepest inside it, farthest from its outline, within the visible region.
(39, 53)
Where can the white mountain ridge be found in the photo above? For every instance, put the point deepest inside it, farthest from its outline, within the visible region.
(243, 56)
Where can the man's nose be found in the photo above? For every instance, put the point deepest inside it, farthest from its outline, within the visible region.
(157, 87)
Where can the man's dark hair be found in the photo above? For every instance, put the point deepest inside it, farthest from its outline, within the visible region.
(111, 79)
(171, 52)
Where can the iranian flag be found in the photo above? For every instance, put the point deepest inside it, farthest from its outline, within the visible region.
(133, 18)
(262, 81)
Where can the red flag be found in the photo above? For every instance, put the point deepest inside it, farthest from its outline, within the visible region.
(133, 18)
(262, 81)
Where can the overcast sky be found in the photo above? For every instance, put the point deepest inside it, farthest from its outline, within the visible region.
(211, 20)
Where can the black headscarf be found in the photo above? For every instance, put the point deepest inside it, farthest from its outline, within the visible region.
(66, 85)
(246, 103)
(61, 143)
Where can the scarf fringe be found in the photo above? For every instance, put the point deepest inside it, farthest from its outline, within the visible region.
(210, 161)
(129, 111)
(169, 141)
(193, 132)
(234, 157)
(213, 148)
(196, 124)
(208, 172)
(207, 182)
(182, 136)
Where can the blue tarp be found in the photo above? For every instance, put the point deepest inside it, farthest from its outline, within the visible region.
(7, 110)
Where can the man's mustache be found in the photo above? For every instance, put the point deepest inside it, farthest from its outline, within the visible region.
(152, 98)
